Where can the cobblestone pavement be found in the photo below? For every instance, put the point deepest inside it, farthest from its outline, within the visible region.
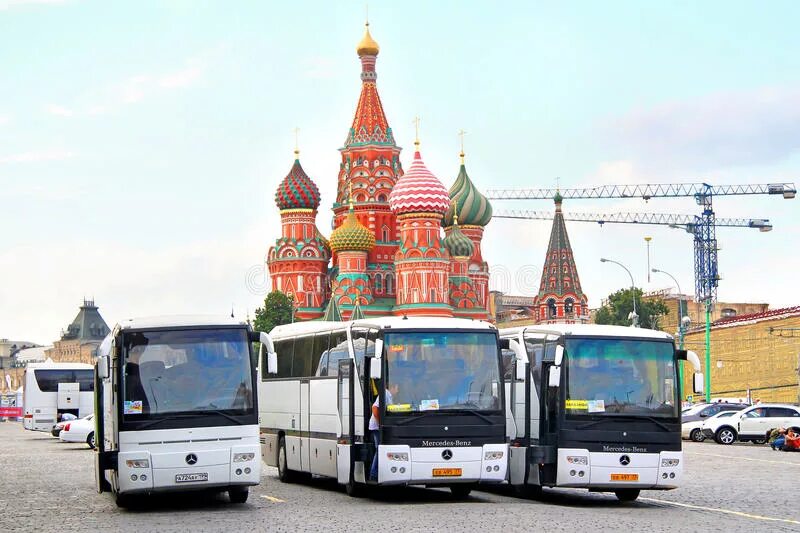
(47, 485)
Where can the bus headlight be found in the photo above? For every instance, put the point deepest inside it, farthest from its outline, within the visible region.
(138, 463)
(242, 457)
(493, 456)
(670, 462)
(577, 460)
(397, 456)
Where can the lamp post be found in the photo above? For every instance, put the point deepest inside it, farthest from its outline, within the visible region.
(683, 321)
(633, 316)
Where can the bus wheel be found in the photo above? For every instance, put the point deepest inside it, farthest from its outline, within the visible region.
(90, 440)
(284, 474)
(627, 495)
(461, 491)
(238, 494)
(528, 491)
(354, 489)
(123, 501)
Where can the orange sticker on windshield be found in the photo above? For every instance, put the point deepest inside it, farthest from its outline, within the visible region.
(396, 348)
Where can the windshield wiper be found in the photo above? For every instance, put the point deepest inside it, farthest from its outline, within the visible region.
(606, 418)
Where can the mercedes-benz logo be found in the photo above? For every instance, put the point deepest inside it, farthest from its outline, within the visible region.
(447, 455)
(624, 460)
(191, 459)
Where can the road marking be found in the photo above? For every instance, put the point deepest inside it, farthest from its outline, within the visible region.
(745, 458)
(724, 511)
(273, 499)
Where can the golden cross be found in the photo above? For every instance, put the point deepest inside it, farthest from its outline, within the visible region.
(461, 134)
(558, 184)
(416, 128)
(366, 11)
(296, 145)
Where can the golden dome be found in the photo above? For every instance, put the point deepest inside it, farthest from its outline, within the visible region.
(367, 46)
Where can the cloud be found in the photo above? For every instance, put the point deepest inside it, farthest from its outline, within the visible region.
(37, 156)
(719, 130)
(8, 4)
(61, 111)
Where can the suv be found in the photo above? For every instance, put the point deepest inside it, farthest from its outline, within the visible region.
(755, 423)
(705, 410)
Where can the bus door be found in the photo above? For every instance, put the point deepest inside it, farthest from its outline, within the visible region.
(347, 421)
(546, 453)
(305, 425)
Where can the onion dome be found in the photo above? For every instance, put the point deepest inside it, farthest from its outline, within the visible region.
(558, 199)
(418, 191)
(352, 235)
(473, 207)
(367, 46)
(459, 245)
(297, 191)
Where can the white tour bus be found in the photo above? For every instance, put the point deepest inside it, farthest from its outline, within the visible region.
(54, 389)
(594, 407)
(442, 418)
(177, 408)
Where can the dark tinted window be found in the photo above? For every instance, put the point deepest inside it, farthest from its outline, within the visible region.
(301, 362)
(48, 380)
(782, 412)
(284, 351)
(321, 341)
(338, 351)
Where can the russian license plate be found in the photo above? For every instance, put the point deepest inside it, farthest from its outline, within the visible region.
(446, 472)
(188, 478)
(624, 477)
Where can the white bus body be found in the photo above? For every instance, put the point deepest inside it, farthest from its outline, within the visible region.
(53, 389)
(177, 408)
(595, 407)
(445, 426)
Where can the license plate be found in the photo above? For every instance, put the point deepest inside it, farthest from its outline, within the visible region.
(624, 477)
(188, 478)
(446, 472)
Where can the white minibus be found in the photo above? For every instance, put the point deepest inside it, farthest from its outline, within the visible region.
(54, 389)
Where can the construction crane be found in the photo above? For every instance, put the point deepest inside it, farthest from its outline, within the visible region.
(703, 226)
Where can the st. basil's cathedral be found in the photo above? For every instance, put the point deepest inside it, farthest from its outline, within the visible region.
(386, 254)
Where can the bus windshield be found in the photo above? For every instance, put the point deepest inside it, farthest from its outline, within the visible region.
(427, 371)
(608, 376)
(194, 370)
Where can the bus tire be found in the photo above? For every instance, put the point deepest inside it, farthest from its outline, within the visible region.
(627, 495)
(461, 491)
(284, 474)
(353, 488)
(123, 501)
(238, 494)
(528, 491)
(90, 440)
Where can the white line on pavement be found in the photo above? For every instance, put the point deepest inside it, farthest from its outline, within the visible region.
(745, 458)
(724, 511)
(273, 499)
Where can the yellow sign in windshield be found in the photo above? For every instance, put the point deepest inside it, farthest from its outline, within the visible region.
(578, 404)
(399, 407)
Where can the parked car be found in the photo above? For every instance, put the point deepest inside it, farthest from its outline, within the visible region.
(715, 422)
(704, 410)
(754, 423)
(81, 430)
(693, 430)
(57, 427)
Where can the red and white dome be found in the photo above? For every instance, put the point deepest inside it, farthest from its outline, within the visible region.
(419, 191)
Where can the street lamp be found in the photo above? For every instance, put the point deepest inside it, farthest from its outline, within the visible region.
(681, 322)
(633, 316)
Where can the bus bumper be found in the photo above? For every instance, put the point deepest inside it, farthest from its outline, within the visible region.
(619, 470)
(403, 465)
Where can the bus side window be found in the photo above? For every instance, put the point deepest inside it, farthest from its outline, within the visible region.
(301, 362)
(508, 364)
(338, 351)
(321, 341)
(284, 349)
(359, 348)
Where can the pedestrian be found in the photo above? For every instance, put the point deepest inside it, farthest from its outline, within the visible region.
(374, 426)
(792, 442)
(776, 438)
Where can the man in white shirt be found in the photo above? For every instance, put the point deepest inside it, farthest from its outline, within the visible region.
(374, 426)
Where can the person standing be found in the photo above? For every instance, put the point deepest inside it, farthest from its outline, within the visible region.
(374, 426)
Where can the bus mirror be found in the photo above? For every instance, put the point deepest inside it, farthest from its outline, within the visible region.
(375, 368)
(694, 359)
(520, 358)
(554, 376)
(559, 357)
(378, 348)
(102, 367)
(519, 370)
(272, 357)
(272, 363)
(697, 383)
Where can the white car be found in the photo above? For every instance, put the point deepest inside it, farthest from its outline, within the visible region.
(81, 430)
(755, 423)
(693, 430)
(713, 423)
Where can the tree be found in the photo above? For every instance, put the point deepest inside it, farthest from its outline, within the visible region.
(620, 305)
(278, 309)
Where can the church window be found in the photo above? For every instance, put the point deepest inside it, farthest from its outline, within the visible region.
(565, 270)
(381, 197)
(569, 306)
(379, 282)
(551, 307)
(385, 229)
(433, 295)
(389, 283)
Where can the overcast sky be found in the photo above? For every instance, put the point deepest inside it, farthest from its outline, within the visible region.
(141, 142)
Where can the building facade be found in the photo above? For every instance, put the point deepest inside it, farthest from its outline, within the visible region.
(398, 239)
(79, 342)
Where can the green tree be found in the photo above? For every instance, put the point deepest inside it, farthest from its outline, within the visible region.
(278, 309)
(620, 304)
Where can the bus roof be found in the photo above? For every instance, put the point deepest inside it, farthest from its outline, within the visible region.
(59, 366)
(590, 330)
(384, 322)
(180, 321)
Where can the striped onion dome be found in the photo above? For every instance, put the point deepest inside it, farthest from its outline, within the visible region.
(458, 244)
(418, 191)
(297, 191)
(352, 235)
(473, 207)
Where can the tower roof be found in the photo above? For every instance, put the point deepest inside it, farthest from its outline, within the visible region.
(367, 45)
(297, 190)
(560, 274)
(472, 206)
(352, 235)
(88, 325)
(419, 191)
(458, 244)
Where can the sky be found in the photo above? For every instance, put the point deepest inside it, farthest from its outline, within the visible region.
(141, 143)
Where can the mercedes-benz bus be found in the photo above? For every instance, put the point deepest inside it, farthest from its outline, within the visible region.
(595, 407)
(176, 407)
(55, 389)
(436, 387)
